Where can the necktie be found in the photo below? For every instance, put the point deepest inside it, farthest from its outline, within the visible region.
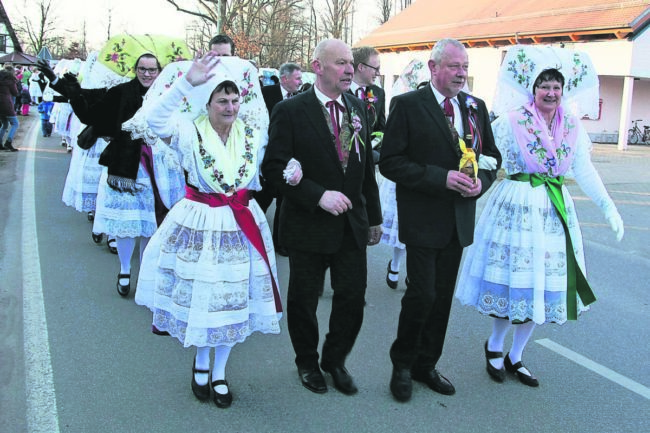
(334, 108)
(448, 109)
(360, 92)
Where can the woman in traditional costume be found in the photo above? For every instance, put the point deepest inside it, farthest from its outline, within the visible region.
(209, 272)
(526, 266)
(415, 73)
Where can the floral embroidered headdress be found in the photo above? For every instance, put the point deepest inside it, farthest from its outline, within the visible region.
(523, 63)
(252, 109)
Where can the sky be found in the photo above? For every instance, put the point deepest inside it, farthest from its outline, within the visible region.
(139, 16)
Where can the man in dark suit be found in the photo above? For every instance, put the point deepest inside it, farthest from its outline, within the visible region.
(290, 82)
(436, 206)
(330, 216)
(366, 70)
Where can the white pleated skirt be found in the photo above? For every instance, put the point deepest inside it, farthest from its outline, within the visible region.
(203, 280)
(517, 265)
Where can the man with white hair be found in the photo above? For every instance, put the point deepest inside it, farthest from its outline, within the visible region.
(428, 133)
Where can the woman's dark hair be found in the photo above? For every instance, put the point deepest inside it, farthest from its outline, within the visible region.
(227, 86)
(548, 75)
(147, 56)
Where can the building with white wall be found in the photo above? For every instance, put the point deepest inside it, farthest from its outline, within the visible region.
(613, 33)
(8, 40)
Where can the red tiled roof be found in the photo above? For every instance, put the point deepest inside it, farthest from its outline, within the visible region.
(492, 21)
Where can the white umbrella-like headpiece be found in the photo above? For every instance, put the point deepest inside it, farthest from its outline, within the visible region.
(523, 64)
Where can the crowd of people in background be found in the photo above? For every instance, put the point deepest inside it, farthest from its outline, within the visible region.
(193, 191)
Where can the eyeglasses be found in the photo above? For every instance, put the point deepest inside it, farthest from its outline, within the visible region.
(371, 67)
(143, 70)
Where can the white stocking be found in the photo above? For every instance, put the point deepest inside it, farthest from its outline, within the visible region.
(520, 339)
(202, 362)
(125, 247)
(221, 354)
(495, 342)
(396, 261)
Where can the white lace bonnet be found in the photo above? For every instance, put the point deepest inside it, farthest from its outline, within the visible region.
(523, 63)
(252, 110)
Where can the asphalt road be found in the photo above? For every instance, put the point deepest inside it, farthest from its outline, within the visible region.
(77, 358)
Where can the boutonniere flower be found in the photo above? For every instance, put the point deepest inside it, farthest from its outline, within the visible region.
(355, 126)
(370, 97)
(471, 104)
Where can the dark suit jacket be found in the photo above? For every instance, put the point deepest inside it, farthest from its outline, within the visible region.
(299, 130)
(272, 95)
(377, 114)
(416, 154)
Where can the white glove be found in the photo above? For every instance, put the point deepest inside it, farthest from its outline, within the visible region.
(487, 162)
(293, 172)
(616, 223)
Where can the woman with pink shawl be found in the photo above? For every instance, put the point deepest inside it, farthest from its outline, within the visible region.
(526, 265)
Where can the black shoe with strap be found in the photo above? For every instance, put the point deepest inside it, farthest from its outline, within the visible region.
(123, 290)
(526, 379)
(202, 392)
(495, 373)
(221, 400)
(389, 271)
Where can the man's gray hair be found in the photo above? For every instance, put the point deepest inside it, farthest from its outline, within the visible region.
(439, 48)
(289, 68)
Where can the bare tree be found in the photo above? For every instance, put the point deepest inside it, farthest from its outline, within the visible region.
(385, 9)
(335, 16)
(214, 11)
(39, 32)
(270, 31)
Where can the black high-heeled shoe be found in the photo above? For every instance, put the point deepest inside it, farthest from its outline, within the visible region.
(495, 373)
(91, 216)
(123, 290)
(202, 392)
(389, 271)
(221, 400)
(524, 378)
(97, 238)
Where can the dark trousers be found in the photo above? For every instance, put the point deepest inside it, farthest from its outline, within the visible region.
(348, 272)
(426, 305)
(276, 221)
(46, 127)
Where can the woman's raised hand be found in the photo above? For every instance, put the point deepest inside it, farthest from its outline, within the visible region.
(202, 69)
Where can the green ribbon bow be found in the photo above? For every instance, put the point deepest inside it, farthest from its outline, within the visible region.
(576, 282)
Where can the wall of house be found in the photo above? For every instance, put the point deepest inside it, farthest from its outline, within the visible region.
(9, 44)
(641, 60)
(606, 128)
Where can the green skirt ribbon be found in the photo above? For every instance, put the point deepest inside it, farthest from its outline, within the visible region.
(576, 282)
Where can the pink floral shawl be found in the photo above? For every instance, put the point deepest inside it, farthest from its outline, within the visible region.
(543, 153)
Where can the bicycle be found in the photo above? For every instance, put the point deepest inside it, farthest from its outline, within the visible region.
(634, 134)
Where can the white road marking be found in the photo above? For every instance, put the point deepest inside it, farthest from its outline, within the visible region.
(42, 414)
(615, 377)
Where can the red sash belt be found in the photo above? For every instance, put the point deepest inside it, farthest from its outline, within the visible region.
(238, 203)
